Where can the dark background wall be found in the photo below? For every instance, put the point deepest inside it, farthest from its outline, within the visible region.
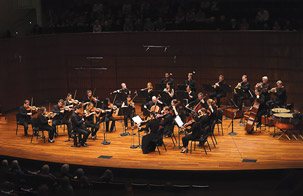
(43, 66)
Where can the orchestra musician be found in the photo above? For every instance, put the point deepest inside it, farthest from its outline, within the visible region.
(173, 108)
(260, 98)
(264, 88)
(212, 108)
(89, 98)
(154, 105)
(170, 91)
(129, 103)
(219, 90)
(167, 79)
(44, 119)
(25, 113)
(166, 122)
(280, 93)
(150, 91)
(78, 125)
(198, 128)
(199, 100)
(69, 101)
(244, 86)
(152, 128)
(61, 114)
(91, 116)
(108, 109)
(190, 82)
(191, 94)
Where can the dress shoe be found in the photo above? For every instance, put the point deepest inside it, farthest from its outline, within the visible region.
(84, 145)
(67, 140)
(51, 141)
(184, 151)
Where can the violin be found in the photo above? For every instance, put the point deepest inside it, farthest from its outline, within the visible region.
(32, 108)
(95, 99)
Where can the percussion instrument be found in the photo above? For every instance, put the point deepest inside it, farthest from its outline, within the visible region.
(283, 121)
(280, 110)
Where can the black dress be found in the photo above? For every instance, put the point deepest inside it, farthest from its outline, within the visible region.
(147, 140)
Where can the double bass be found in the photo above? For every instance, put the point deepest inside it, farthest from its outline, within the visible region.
(252, 117)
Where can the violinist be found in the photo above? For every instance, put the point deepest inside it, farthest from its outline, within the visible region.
(61, 117)
(212, 109)
(219, 90)
(245, 88)
(170, 91)
(25, 112)
(191, 94)
(190, 82)
(152, 128)
(69, 101)
(166, 122)
(173, 108)
(91, 114)
(260, 98)
(78, 125)
(167, 79)
(44, 119)
(149, 90)
(129, 104)
(264, 87)
(90, 98)
(108, 109)
(280, 93)
(198, 129)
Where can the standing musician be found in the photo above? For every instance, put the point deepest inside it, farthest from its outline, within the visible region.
(167, 79)
(212, 108)
(91, 116)
(90, 98)
(108, 108)
(61, 117)
(152, 128)
(44, 119)
(264, 88)
(190, 82)
(244, 86)
(191, 95)
(121, 94)
(150, 91)
(200, 100)
(131, 104)
(154, 105)
(260, 98)
(166, 122)
(170, 91)
(25, 112)
(78, 125)
(219, 88)
(124, 89)
(280, 94)
(197, 129)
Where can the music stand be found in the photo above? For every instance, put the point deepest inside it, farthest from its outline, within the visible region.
(208, 88)
(232, 120)
(179, 124)
(104, 142)
(181, 95)
(181, 87)
(165, 97)
(125, 111)
(137, 119)
(159, 87)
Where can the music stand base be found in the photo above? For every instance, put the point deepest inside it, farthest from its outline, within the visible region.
(232, 133)
(133, 146)
(124, 134)
(105, 142)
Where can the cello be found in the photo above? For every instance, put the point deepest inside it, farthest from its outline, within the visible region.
(252, 117)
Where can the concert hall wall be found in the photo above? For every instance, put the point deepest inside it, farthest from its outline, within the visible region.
(43, 66)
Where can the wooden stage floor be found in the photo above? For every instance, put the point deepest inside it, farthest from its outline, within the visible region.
(269, 152)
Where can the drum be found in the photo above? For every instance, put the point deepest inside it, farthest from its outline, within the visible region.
(280, 110)
(283, 120)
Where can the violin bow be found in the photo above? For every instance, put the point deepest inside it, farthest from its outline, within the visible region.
(32, 101)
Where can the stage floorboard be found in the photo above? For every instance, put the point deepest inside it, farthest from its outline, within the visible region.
(269, 152)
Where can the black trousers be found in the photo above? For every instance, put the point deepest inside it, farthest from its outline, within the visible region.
(218, 97)
(126, 119)
(147, 143)
(107, 120)
(83, 134)
(50, 129)
(67, 123)
(25, 125)
(260, 112)
(187, 138)
(95, 127)
(239, 100)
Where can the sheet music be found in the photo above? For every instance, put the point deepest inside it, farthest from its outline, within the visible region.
(137, 119)
(179, 121)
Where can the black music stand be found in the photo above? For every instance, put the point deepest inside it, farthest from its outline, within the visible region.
(105, 142)
(125, 111)
(208, 88)
(142, 94)
(182, 95)
(241, 95)
(232, 120)
(165, 97)
(181, 87)
(159, 87)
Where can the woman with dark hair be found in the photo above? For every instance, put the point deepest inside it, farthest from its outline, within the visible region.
(108, 109)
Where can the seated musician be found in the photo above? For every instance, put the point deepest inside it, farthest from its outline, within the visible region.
(43, 120)
(191, 94)
(61, 116)
(78, 125)
(69, 101)
(260, 98)
(150, 91)
(25, 113)
(129, 104)
(244, 86)
(108, 109)
(281, 97)
(219, 90)
(170, 91)
(190, 82)
(151, 106)
(167, 79)
(264, 87)
(89, 98)
(197, 129)
(166, 122)
(91, 116)
(200, 100)
(152, 128)
(212, 108)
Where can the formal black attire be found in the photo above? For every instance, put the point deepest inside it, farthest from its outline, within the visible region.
(61, 117)
(219, 92)
(238, 98)
(167, 124)
(79, 127)
(279, 100)
(196, 102)
(43, 124)
(128, 116)
(262, 108)
(193, 96)
(89, 122)
(191, 83)
(147, 140)
(108, 116)
(164, 81)
(25, 119)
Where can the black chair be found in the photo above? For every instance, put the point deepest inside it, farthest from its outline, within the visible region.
(202, 140)
(211, 133)
(37, 129)
(159, 141)
(18, 122)
(219, 121)
(76, 137)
